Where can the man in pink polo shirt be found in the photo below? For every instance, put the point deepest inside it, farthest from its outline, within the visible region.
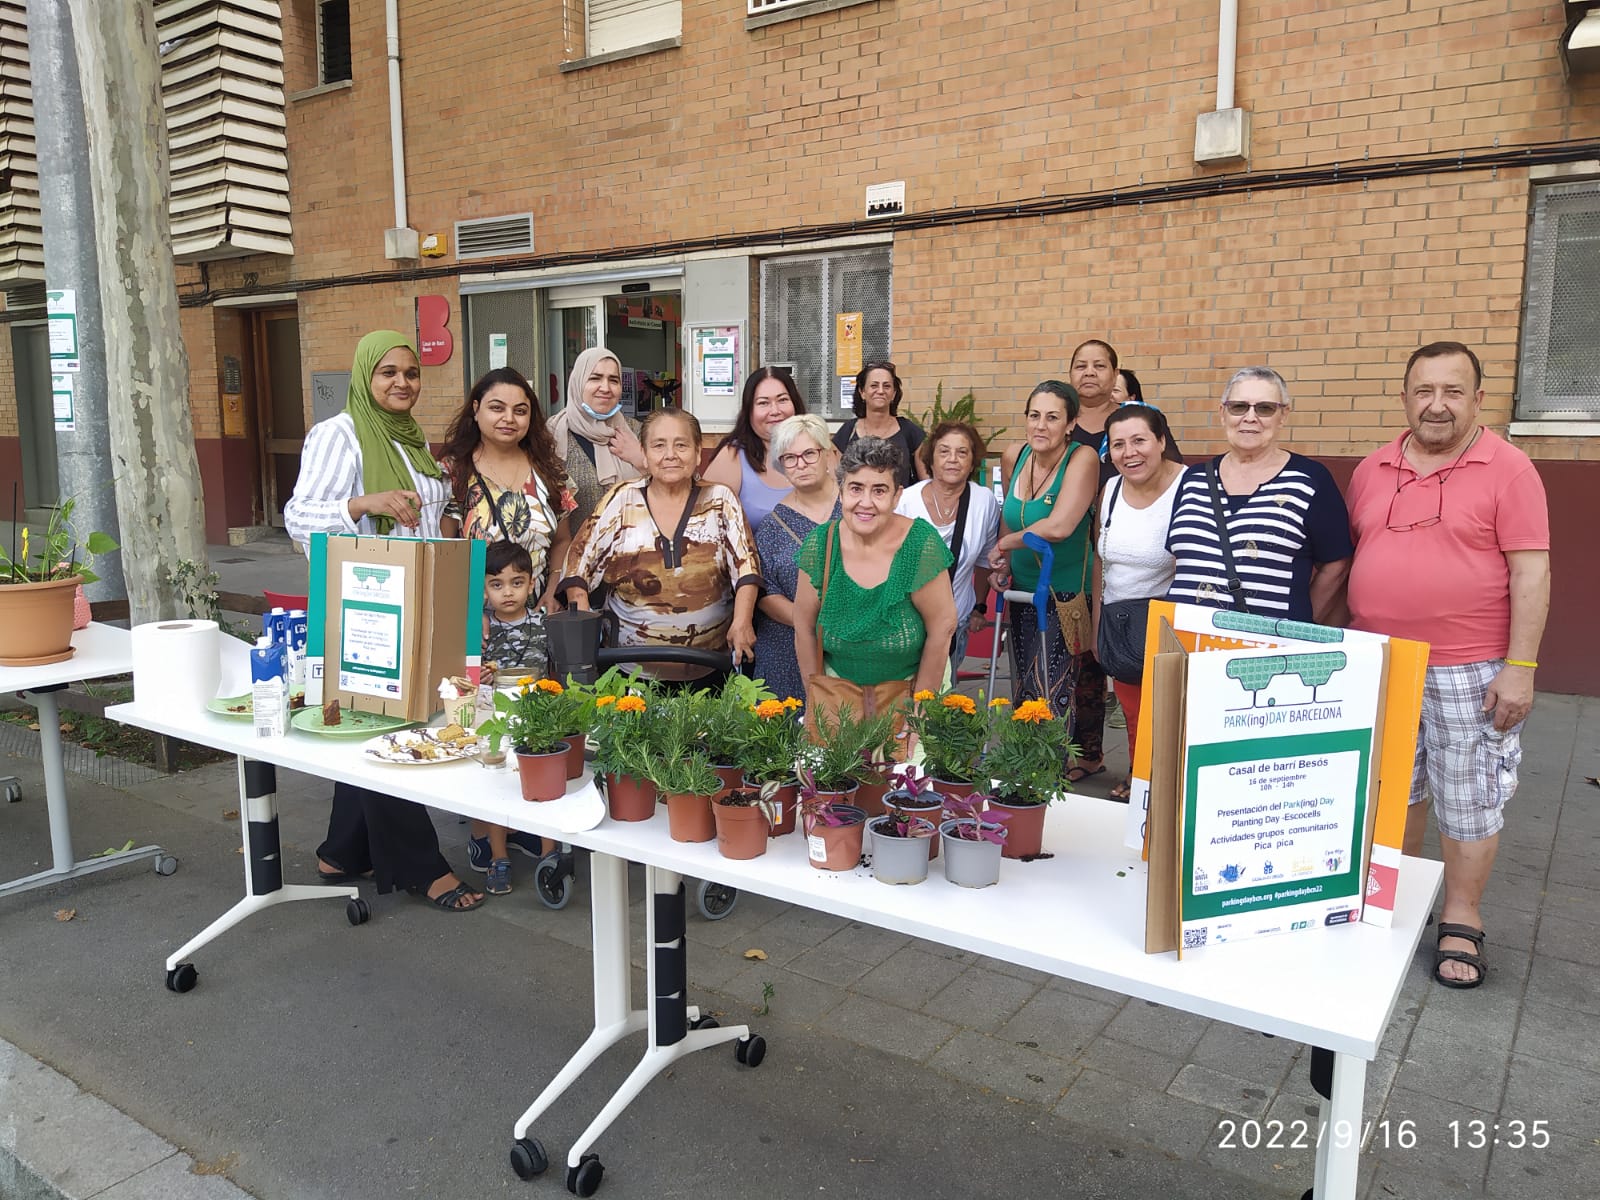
(1453, 548)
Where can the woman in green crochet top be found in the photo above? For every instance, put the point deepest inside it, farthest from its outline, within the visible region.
(888, 613)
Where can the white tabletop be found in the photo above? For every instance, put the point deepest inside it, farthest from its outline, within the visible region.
(1079, 915)
(99, 650)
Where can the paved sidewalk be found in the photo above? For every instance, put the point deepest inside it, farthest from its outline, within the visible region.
(329, 1061)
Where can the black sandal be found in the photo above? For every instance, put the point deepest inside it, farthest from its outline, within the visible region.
(1475, 960)
(455, 900)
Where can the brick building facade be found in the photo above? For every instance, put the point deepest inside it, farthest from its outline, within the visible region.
(1398, 154)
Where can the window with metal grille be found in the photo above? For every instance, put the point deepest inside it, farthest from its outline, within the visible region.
(622, 24)
(1559, 377)
(755, 8)
(333, 41)
(801, 296)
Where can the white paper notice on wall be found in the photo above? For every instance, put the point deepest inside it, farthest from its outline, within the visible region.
(62, 396)
(497, 350)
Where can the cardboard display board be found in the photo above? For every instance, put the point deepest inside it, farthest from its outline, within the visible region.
(389, 618)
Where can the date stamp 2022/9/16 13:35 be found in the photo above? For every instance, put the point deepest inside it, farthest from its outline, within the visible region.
(1479, 1133)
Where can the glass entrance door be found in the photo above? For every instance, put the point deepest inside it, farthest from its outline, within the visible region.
(640, 328)
(569, 331)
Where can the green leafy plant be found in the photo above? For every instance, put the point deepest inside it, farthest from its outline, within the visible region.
(771, 743)
(848, 747)
(729, 717)
(534, 720)
(678, 763)
(60, 552)
(197, 586)
(621, 724)
(952, 729)
(964, 410)
(1028, 753)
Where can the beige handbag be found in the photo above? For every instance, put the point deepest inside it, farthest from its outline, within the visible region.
(1077, 626)
(827, 694)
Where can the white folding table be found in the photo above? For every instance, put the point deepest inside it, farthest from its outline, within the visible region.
(98, 651)
(1334, 989)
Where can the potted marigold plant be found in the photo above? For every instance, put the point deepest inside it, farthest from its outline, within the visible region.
(1027, 760)
(770, 748)
(620, 731)
(39, 577)
(535, 721)
(952, 729)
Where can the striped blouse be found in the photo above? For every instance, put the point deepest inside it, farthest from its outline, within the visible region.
(1292, 522)
(330, 476)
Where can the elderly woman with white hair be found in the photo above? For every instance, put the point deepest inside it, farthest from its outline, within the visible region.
(1260, 529)
(801, 449)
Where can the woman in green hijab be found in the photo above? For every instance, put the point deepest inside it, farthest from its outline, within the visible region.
(368, 470)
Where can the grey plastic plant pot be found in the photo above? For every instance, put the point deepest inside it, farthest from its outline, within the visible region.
(899, 859)
(969, 864)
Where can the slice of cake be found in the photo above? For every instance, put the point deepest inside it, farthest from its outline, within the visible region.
(330, 713)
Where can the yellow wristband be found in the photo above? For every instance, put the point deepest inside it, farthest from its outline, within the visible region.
(1512, 662)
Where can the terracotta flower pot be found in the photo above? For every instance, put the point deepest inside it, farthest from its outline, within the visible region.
(869, 796)
(732, 779)
(689, 818)
(544, 776)
(629, 798)
(575, 747)
(1024, 830)
(954, 789)
(36, 622)
(785, 798)
(927, 805)
(741, 830)
(837, 847)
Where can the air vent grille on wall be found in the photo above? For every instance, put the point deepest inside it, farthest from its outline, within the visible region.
(494, 237)
(222, 88)
(21, 236)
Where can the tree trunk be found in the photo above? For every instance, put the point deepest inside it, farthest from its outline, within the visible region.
(159, 500)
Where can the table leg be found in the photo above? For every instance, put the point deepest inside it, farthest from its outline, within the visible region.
(1339, 1144)
(56, 804)
(263, 867)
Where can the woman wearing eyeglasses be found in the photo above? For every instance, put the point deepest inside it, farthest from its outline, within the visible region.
(1260, 529)
(877, 408)
(802, 451)
(743, 461)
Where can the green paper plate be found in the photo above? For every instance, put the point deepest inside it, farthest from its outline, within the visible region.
(239, 708)
(351, 724)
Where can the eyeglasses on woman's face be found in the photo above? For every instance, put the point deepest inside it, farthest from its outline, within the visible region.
(795, 459)
(1262, 408)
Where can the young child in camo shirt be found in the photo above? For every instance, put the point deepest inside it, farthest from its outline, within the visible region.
(513, 639)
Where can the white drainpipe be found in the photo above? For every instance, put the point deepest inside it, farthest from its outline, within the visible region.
(1223, 136)
(1227, 52)
(397, 137)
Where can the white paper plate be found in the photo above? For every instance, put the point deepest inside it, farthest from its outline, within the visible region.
(420, 748)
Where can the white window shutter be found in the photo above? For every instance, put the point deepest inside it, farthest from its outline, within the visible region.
(619, 24)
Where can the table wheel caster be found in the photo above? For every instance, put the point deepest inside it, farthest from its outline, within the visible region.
(751, 1050)
(528, 1158)
(12, 787)
(704, 1023)
(182, 978)
(584, 1179)
(552, 883)
(356, 911)
(716, 900)
(166, 864)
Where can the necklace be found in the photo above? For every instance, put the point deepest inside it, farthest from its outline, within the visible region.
(496, 480)
(1033, 463)
(942, 515)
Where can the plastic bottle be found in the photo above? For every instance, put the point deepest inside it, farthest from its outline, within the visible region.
(269, 689)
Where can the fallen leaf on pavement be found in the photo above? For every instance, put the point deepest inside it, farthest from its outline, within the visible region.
(218, 1166)
(110, 850)
(66, 914)
(230, 814)
(67, 727)
(759, 955)
(33, 725)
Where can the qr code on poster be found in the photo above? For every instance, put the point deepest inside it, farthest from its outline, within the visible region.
(1193, 939)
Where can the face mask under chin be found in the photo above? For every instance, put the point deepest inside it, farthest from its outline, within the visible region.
(599, 416)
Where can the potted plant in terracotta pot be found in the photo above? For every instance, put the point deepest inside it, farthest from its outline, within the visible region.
(846, 747)
(974, 842)
(771, 748)
(680, 767)
(899, 847)
(729, 716)
(620, 730)
(951, 728)
(744, 816)
(534, 722)
(1027, 760)
(39, 578)
(833, 828)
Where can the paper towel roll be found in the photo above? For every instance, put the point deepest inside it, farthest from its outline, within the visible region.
(175, 663)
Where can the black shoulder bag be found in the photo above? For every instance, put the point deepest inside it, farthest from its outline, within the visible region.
(1235, 584)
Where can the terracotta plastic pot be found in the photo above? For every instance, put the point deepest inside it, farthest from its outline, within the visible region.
(954, 789)
(785, 798)
(966, 863)
(36, 622)
(1024, 830)
(927, 805)
(544, 776)
(732, 779)
(837, 847)
(741, 830)
(575, 746)
(900, 859)
(629, 798)
(689, 818)
(869, 796)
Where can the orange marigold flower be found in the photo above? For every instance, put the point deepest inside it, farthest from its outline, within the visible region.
(604, 701)
(525, 681)
(960, 703)
(923, 696)
(1033, 711)
(768, 709)
(999, 702)
(791, 703)
(550, 686)
(631, 704)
